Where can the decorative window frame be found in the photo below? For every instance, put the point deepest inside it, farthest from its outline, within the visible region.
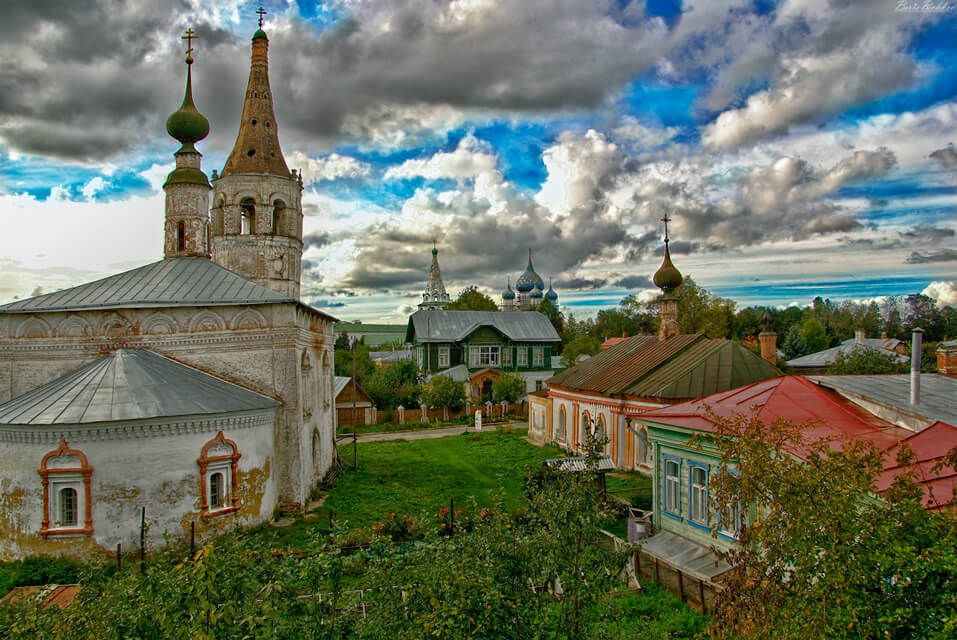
(665, 459)
(78, 478)
(444, 357)
(538, 356)
(521, 357)
(692, 487)
(506, 356)
(227, 465)
(740, 516)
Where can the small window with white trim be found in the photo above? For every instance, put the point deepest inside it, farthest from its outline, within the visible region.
(672, 488)
(538, 357)
(522, 357)
(218, 464)
(698, 499)
(507, 357)
(443, 357)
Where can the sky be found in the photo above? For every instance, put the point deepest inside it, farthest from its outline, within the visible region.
(801, 148)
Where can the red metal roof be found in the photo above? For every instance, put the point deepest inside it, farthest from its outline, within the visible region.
(828, 414)
(51, 595)
(611, 342)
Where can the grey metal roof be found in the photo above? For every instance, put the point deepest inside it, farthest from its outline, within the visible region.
(339, 384)
(691, 557)
(129, 384)
(579, 464)
(453, 326)
(938, 394)
(174, 282)
(949, 343)
(828, 356)
(391, 356)
(458, 373)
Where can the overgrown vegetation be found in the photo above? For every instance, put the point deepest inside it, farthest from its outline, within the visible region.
(454, 574)
(828, 559)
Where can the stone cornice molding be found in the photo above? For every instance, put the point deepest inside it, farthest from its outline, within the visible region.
(153, 428)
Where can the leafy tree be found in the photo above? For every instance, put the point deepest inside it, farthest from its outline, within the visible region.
(867, 360)
(398, 385)
(443, 391)
(893, 326)
(342, 342)
(583, 343)
(342, 359)
(700, 311)
(508, 387)
(471, 299)
(813, 334)
(550, 310)
(826, 558)
(922, 311)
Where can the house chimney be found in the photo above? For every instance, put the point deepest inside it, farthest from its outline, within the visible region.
(916, 348)
(859, 334)
(768, 340)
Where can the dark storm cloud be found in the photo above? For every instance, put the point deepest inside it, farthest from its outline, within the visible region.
(634, 282)
(581, 283)
(327, 304)
(928, 233)
(947, 157)
(678, 247)
(315, 240)
(112, 72)
(944, 255)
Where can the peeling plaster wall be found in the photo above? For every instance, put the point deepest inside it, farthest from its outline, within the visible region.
(259, 347)
(156, 468)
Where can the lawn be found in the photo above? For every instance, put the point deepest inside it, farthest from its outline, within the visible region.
(413, 477)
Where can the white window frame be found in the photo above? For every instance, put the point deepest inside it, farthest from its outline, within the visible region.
(538, 356)
(57, 484)
(672, 485)
(419, 358)
(733, 532)
(444, 357)
(521, 357)
(506, 356)
(484, 355)
(698, 493)
(225, 469)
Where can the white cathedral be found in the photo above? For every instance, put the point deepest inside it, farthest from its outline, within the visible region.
(198, 387)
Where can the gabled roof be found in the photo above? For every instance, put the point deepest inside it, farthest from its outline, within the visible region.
(129, 384)
(341, 382)
(683, 366)
(828, 356)
(175, 282)
(794, 398)
(929, 447)
(454, 326)
(937, 401)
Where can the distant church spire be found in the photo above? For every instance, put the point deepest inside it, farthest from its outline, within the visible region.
(186, 187)
(667, 278)
(256, 217)
(435, 296)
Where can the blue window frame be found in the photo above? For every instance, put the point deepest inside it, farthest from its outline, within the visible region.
(730, 528)
(671, 486)
(698, 493)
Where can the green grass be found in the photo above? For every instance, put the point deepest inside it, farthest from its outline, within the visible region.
(651, 614)
(638, 486)
(390, 427)
(412, 477)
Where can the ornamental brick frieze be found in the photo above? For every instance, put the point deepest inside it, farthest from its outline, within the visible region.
(51, 434)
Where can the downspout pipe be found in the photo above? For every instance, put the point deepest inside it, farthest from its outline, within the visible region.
(916, 349)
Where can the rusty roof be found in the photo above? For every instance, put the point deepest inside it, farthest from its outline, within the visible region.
(683, 366)
(49, 595)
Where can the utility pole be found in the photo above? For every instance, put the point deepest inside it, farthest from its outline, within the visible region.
(355, 449)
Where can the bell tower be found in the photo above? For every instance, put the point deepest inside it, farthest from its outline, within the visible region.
(186, 187)
(256, 215)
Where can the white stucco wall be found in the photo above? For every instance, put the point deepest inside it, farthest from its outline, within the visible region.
(152, 464)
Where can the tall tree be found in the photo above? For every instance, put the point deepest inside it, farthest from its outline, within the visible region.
(471, 299)
(443, 391)
(394, 386)
(826, 558)
(508, 387)
(550, 310)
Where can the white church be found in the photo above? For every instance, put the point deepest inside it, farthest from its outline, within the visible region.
(198, 387)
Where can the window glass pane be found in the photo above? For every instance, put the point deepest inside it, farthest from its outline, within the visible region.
(68, 507)
(216, 491)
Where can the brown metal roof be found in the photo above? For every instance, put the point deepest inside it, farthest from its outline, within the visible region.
(683, 366)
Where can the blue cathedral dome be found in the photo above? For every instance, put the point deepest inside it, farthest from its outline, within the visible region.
(508, 294)
(529, 279)
(550, 294)
(537, 293)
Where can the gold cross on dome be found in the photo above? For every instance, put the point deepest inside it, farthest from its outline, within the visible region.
(261, 13)
(666, 220)
(189, 37)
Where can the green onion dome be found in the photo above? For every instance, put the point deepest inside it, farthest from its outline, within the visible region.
(667, 277)
(187, 124)
(260, 35)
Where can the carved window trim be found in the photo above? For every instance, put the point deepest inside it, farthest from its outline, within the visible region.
(225, 464)
(67, 478)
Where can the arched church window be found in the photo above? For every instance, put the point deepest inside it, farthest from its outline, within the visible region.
(68, 507)
(600, 431)
(561, 424)
(643, 448)
(67, 500)
(218, 464)
(181, 236)
(247, 209)
(217, 491)
(280, 225)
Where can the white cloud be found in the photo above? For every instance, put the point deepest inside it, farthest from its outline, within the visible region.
(944, 292)
(330, 167)
(470, 159)
(575, 164)
(93, 187)
(641, 137)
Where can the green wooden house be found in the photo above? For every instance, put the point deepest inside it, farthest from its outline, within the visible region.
(478, 345)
